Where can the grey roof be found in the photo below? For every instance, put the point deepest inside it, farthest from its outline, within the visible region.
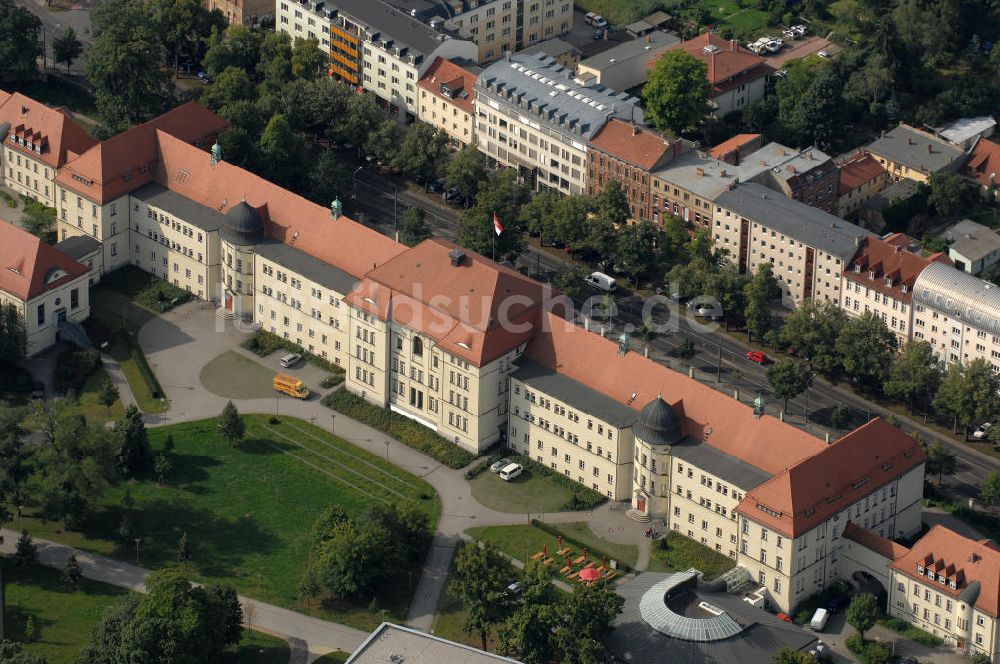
(961, 131)
(698, 173)
(657, 18)
(970, 593)
(896, 191)
(552, 47)
(391, 23)
(767, 158)
(724, 466)
(658, 423)
(299, 262)
(960, 295)
(972, 240)
(243, 226)
(179, 206)
(541, 88)
(654, 610)
(394, 643)
(908, 146)
(639, 27)
(640, 46)
(812, 226)
(79, 246)
(579, 396)
(763, 634)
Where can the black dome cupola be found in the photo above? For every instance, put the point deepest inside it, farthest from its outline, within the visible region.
(243, 226)
(658, 424)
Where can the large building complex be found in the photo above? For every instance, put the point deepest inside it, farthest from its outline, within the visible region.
(532, 115)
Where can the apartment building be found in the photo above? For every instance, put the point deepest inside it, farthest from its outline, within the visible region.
(809, 176)
(241, 12)
(374, 45)
(908, 153)
(48, 288)
(947, 585)
(861, 177)
(531, 115)
(807, 247)
(687, 187)
(35, 142)
(958, 314)
(445, 101)
(738, 77)
(499, 26)
(628, 154)
(880, 279)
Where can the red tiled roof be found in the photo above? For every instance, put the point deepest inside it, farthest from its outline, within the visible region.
(944, 552)
(29, 267)
(61, 137)
(446, 71)
(637, 145)
(887, 259)
(859, 169)
(813, 490)
(983, 162)
(289, 218)
(125, 162)
(462, 307)
(726, 60)
(880, 545)
(732, 145)
(708, 415)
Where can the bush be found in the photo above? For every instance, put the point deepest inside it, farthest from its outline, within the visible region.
(401, 428)
(911, 632)
(855, 644)
(582, 498)
(568, 539)
(331, 381)
(262, 343)
(74, 366)
(476, 471)
(145, 289)
(135, 352)
(15, 378)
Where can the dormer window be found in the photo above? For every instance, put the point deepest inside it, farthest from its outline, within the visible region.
(903, 288)
(920, 570)
(871, 274)
(941, 579)
(952, 584)
(888, 281)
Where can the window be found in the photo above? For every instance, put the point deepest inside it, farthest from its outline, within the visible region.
(41, 314)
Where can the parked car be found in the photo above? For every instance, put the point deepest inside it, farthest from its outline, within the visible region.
(595, 19)
(510, 471)
(781, 73)
(800, 30)
(203, 77)
(435, 186)
(497, 466)
(757, 356)
(784, 616)
(598, 34)
(819, 619)
(601, 281)
(290, 360)
(838, 603)
(513, 589)
(38, 390)
(826, 55)
(712, 312)
(981, 431)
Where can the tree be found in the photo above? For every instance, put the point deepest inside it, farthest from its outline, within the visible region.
(863, 612)
(161, 466)
(760, 292)
(677, 91)
(866, 348)
(66, 48)
(538, 214)
(12, 652)
(840, 416)
(232, 85)
(39, 220)
(414, 227)
(20, 40)
(13, 335)
(528, 630)
(989, 492)
(482, 574)
(183, 549)
(231, 425)
(135, 457)
(585, 619)
(569, 281)
(940, 460)
(174, 621)
(466, 171)
(811, 332)
(686, 349)
(72, 572)
(236, 46)
(915, 375)
(30, 630)
(308, 61)
(636, 250)
(789, 378)
(108, 394)
(787, 655)
(611, 204)
(968, 393)
(501, 195)
(329, 180)
(25, 552)
(423, 152)
(384, 140)
(950, 195)
(123, 65)
(284, 156)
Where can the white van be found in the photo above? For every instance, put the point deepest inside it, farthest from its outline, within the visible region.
(601, 281)
(507, 473)
(819, 619)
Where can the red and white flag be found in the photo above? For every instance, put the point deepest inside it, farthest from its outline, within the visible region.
(497, 226)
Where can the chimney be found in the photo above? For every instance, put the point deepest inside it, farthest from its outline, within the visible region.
(827, 437)
(586, 323)
(929, 151)
(457, 256)
(635, 130)
(649, 39)
(781, 416)
(736, 394)
(909, 141)
(857, 240)
(690, 372)
(645, 351)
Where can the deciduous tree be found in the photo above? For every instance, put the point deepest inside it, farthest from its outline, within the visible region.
(423, 152)
(760, 292)
(789, 378)
(284, 156)
(72, 572)
(811, 332)
(503, 196)
(915, 375)
(863, 612)
(466, 172)
(66, 48)
(20, 40)
(636, 249)
(866, 348)
(677, 91)
(989, 492)
(108, 394)
(413, 227)
(135, 457)
(482, 574)
(968, 394)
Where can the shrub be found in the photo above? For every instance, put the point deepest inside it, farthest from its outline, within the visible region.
(855, 644)
(145, 289)
(15, 378)
(332, 380)
(401, 428)
(74, 366)
(911, 632)
(582, 498)
(476, 471)
(262, 343)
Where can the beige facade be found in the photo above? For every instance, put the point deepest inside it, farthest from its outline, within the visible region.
(703, 504)
(858, 298)
(107, 223)
(510, 25)
(449, 118)
(41, 314)
(444, 101)
(959, 623)
(28, 176)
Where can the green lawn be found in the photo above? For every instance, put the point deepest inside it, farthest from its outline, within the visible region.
(335, 657)
(527, 493)
(258, 648)
(522, 542)
(237, 377)
(248, 511)
(88, 405)
(676, 553)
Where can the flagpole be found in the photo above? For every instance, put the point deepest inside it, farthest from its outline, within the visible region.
(493, 238)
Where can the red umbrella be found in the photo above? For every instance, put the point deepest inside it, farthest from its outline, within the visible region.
(590, 574)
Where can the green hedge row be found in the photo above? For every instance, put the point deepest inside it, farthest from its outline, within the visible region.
(145, 289)
(135, 352)
(582, 498)
(262, 343)
(401, 428)
(74, 366)
(911, 632)
(569, 539)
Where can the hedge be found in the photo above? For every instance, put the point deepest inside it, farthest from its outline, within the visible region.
(594, 553)
(262, 343)
(582, 498)
(135, 352)
(403, 429)
(332, 380)
(74, 366)
(145, 289)
(911, 632)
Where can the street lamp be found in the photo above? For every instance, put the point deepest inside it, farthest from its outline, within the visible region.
(387, 451)
(333, 423)
(137, 540)
(163, 405)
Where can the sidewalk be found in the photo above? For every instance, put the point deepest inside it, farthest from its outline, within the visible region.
(297, 628)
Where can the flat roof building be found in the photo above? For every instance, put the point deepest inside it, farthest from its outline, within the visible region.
(973, 247)
(393, 643)
(627, 65)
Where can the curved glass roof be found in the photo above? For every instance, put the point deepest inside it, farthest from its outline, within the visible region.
(653, 609)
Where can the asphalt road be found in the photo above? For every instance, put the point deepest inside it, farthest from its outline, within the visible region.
(720, 360)
(54, 23)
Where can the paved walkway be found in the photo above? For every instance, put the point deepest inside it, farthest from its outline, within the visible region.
(297, 628)
(114, 371)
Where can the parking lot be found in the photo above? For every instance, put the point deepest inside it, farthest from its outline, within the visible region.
(801, 48)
